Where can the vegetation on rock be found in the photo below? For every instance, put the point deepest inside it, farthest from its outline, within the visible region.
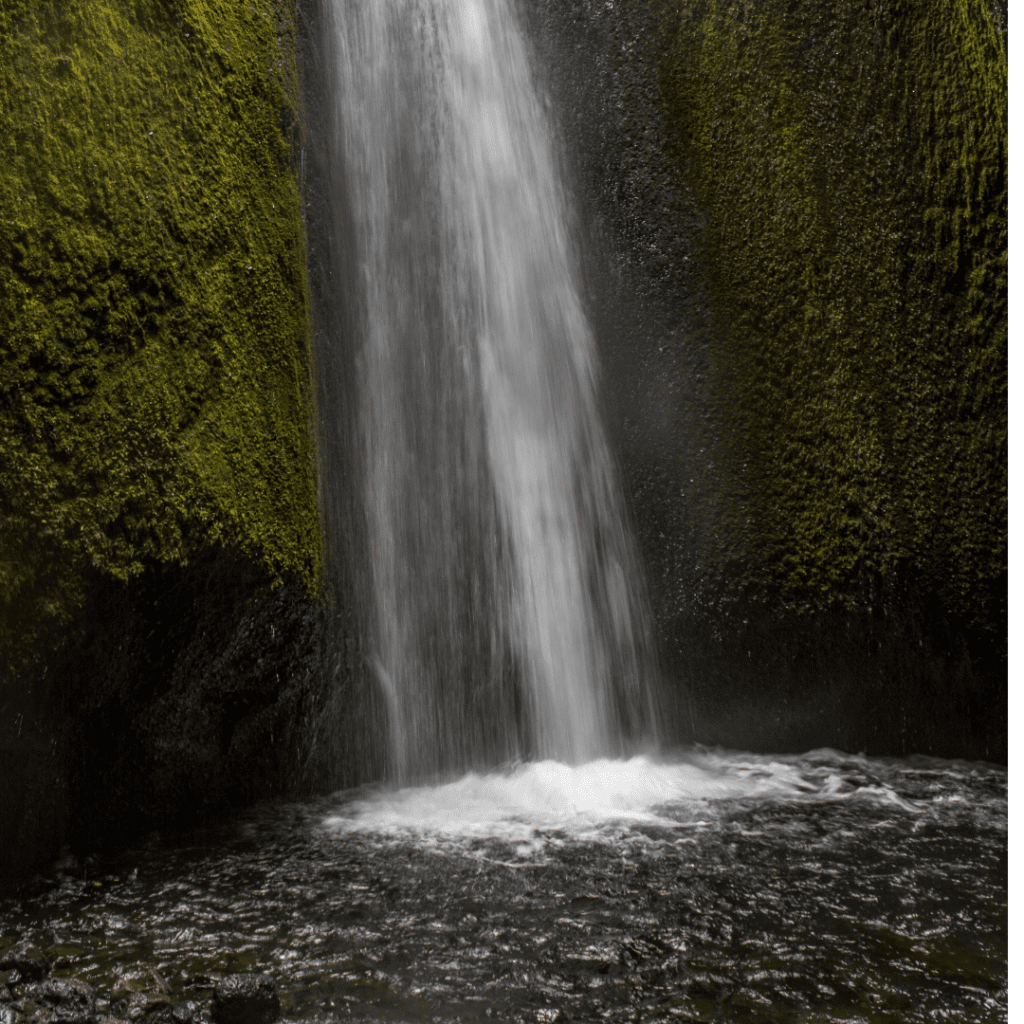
(155, 395)
(850, 159)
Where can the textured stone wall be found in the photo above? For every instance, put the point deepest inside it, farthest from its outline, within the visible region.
(851, 162)
(155, 374)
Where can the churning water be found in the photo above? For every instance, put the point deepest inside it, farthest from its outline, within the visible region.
(712, 887)
(505, 619)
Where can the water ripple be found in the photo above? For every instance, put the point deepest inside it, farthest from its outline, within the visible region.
(711, 886)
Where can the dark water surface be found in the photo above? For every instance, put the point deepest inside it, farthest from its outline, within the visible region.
(716, 886)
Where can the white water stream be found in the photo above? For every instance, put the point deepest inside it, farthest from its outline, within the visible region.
(504, 611)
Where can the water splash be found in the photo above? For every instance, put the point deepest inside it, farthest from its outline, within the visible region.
(610, 798)
(504, 614)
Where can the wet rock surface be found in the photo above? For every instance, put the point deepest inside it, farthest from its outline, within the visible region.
(135, 994)
(65, 1001)
(25, 961)
(245, 999)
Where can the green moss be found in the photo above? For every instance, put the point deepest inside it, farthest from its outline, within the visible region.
(154, 368)
(851, 161)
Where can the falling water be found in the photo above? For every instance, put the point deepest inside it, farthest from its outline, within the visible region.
(504, 619)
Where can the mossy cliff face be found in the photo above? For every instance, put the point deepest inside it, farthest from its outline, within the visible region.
(155, 402)
(850, 159)
(154, 378)
(801, 309)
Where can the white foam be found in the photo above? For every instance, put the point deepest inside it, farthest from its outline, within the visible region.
(602, 797)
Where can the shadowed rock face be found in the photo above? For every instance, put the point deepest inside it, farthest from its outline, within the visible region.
(797, 225)
(186, 692)
(245, 999)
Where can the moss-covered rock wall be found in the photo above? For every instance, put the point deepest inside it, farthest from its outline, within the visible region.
(156, 452)
(795, 212)
(851, 160)
(154, 378)
(849, 163)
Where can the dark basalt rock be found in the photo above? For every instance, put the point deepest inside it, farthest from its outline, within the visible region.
(30, 962)
(246, 999)
(152, 1009)
(66, 1001)
(185, 1012)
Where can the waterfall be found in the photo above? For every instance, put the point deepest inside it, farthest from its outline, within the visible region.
(503, 614)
